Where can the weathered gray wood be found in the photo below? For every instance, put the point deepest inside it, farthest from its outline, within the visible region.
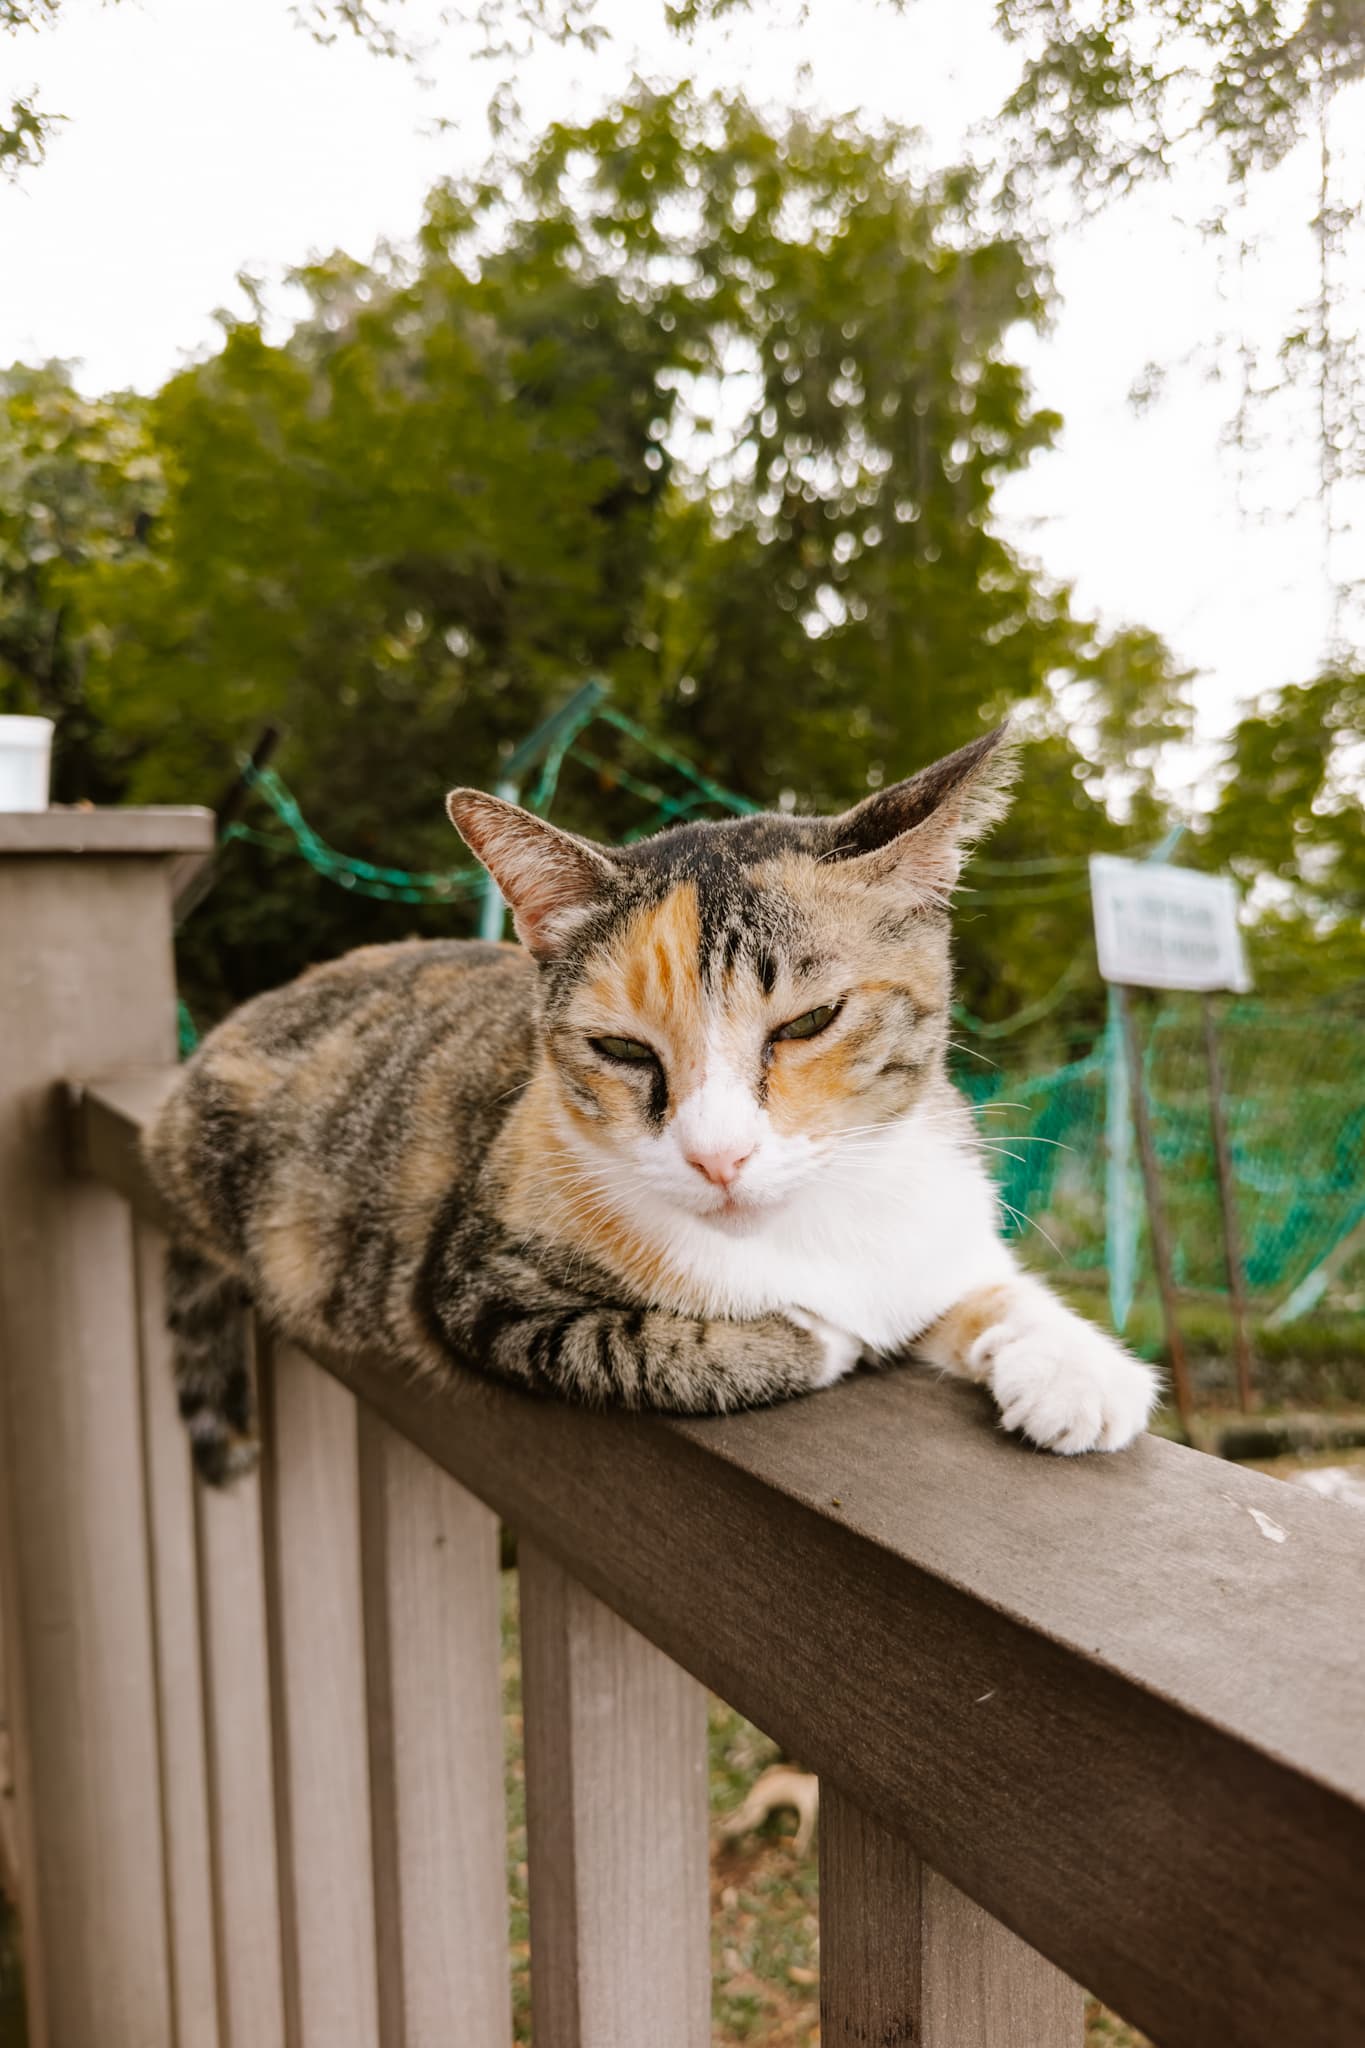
(86, 981)
(9, 1826)
(317, 1643)
(616, 1818)
(109, 1145)
(1117, 1701)
(172, 1566)
(246, 1889)
(904, 1957)
(157, 829)
(19, 1854)
(436, 1758)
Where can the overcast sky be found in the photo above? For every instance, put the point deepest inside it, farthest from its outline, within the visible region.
(209, 135)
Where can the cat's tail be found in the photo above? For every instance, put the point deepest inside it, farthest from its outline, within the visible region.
(206, 1315)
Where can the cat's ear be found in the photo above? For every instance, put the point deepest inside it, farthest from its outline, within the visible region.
(551, 879)
(918, 831)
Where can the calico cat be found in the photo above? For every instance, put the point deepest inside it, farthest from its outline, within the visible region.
(691, 1146)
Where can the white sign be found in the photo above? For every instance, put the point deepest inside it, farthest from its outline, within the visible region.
(1163, 927)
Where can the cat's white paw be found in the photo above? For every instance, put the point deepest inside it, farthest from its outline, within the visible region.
(1061, 1383)
(841, 1350)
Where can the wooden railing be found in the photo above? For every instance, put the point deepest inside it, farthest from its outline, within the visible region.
(1108, 1712)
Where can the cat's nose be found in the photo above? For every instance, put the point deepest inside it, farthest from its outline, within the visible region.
(721, 1165)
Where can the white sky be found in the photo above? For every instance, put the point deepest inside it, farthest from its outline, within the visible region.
(210, 135)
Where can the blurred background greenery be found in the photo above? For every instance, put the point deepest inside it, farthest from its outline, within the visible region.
(715, 400)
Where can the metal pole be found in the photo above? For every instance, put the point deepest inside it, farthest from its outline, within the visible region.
(560, 726)
(1120, 1204)
(1156, 1215)
(1227, 1201)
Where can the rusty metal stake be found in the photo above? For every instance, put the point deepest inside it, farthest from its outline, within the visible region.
(1156, 1215)
(1227, 1201)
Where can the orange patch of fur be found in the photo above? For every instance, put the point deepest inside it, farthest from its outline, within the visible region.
(660, 954)
(951, 1338)
(547, 1193)
(650, 987)
(808, 1088)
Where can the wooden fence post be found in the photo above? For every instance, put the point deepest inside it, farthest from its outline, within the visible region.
(86, 986)
(616, 1812)
(904, 1957)
(439, 1818)
(314, 1582)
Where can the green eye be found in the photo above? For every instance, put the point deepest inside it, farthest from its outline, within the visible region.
(628, 1050)
(811, 1025)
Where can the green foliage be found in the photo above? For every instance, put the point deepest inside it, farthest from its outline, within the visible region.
(1111, 92)
(80, 485)
(25, 129)
(1291, 824)
(714, 406)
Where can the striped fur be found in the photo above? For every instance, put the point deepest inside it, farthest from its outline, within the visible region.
(603, 1164)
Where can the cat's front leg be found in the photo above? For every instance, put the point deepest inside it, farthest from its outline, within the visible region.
(499, 1311)
(1056, 1379)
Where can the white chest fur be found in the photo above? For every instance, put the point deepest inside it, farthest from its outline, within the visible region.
(881, 1241)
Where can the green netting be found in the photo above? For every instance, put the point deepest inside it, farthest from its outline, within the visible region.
(1061, 1142)
(1296, 1128)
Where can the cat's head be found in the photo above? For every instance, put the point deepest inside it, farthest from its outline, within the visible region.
(724, 1003)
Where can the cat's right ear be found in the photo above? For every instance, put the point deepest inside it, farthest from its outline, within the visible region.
(551, 879)
(916, 832)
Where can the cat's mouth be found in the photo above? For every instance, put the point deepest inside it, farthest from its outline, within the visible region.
(735, 1211)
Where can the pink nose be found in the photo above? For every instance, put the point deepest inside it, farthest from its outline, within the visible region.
(720, 1167)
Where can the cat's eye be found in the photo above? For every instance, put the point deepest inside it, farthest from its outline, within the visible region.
(629, 1051)
(811, 1025)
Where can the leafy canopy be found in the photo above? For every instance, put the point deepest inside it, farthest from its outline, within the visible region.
(714, 405)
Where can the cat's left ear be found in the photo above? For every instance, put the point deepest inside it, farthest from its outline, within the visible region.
(917, 832)
(551, 879)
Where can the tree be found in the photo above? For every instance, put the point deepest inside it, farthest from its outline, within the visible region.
(1290, 823)
(80, 486)
(716, 406)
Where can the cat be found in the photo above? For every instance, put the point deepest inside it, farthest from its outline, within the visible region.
(690, 1146)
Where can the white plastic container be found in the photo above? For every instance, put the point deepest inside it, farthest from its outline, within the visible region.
(25, 763)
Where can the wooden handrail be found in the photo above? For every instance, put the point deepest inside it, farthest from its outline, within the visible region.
(152, 833)
(1119, 1702)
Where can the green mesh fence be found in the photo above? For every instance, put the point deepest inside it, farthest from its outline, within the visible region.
(1060, 1142)
(1296, 1128)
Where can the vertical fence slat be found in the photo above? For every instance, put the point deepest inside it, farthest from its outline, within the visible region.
(86, 985)
(317, 1640)
(179, 1667)
(616, 1809)
(436, 1761)
(904, 1956)
(232, 1607)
